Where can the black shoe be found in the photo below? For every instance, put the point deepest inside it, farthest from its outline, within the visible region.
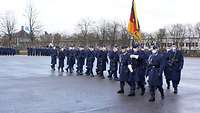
(143, 92)
(102, 77)
(116, 79)
(87, 73)
(110, 78)
(91, 75)
(152, 99)
(131, 94)
(66, 70)
(162, 97)
(168, 87)
(120, 92)
(175, 91)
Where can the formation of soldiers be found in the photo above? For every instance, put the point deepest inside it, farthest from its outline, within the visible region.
(38, 51)
(8, 51)
(136, 66)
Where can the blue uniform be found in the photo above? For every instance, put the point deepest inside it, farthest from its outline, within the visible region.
(139, 66)
(114, 60)
(125, 74)
(97, 55)
(54, 55)
(175, 63)
(154, 72)
(167, 68)
(102, 60)
(8, 51)
(80, 61)
(123, 68)
(90, 58)
(61, 57)
(70, 60)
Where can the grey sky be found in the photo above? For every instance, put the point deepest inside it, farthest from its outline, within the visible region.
(63, 15)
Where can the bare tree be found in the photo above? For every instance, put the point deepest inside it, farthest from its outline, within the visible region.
(124, 34)
(177, 33)
(113, 30)
(197, 29)
(85, 26)
(8, 26)
(32, 17)
(190, 33)
(101, 30)
(160, 36)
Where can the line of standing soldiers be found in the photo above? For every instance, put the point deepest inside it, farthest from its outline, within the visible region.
(135, 66)
(8, 51)
(39, 51)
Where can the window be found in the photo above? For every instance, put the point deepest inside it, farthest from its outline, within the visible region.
(187, 44)
(181, 44)
(193, 44)
(196, 44)
(169, 44)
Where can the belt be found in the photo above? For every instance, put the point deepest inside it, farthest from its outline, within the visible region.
(156, 66)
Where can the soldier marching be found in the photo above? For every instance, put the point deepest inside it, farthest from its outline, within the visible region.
(136, 66)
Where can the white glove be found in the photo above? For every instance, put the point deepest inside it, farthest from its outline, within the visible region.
(130, 68)
(134, 56)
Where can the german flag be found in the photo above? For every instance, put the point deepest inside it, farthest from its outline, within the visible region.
(134, 26)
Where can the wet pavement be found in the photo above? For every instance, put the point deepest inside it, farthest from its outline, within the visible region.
(27, 85)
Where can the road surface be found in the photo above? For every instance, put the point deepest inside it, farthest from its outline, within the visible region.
(27, 85)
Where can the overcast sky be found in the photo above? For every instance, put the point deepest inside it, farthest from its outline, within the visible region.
(63, 15)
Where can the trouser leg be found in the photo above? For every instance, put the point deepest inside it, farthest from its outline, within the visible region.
(53, 66)
(122, 84)
(160, 88)
(115, 74)
(152, 93)
(175, 85)
(101, 74)
(132, 88)
(142, 86)
(168, 83)
(71, 69)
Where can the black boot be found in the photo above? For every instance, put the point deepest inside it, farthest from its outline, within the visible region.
(66, 69)
(168, 84)
(110, 77)
(91, 75)
(143, 91)
(120, 91)
(71, 70)
(116, 78)
(132, 93)
(102, 77)
(175, 90)
(152, 99)
(162, 96)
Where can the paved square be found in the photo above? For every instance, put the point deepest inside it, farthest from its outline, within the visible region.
(27, 85)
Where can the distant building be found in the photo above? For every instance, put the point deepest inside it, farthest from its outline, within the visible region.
(187, 43)
(22, 38)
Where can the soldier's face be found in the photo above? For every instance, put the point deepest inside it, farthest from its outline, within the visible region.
(174, 48)
(135, 49)
(154, 51)
(123, 50)
(115, 49)
(168, 49)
